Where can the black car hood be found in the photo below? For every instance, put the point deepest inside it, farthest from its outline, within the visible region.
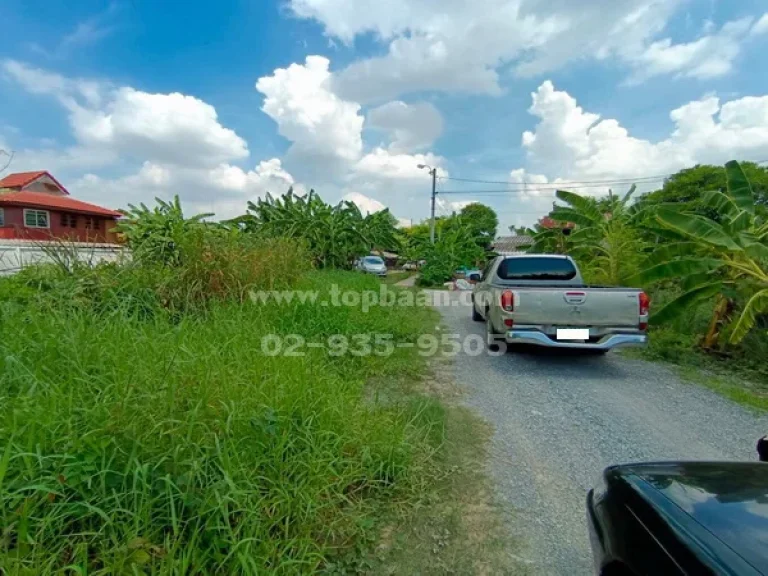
(729, 499)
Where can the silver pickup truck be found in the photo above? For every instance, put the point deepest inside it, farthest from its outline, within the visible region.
(541, 299)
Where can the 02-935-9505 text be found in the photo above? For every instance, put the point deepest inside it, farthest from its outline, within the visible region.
(378, 345)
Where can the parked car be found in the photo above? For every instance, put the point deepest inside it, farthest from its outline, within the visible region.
(466, 272)
(680, 518)
(372, 265)
(541, 299)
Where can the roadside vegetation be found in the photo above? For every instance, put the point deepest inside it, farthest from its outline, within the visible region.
(699, 246)
(461, 239)
(144, 430)
(394, 277)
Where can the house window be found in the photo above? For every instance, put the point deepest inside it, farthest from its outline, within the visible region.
(68, 220)
(2, 217)
(36, 219)
(92, 223)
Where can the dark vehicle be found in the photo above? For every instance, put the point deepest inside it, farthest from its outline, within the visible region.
(680, 518)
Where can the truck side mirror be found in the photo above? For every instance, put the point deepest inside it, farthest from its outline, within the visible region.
(474, 277)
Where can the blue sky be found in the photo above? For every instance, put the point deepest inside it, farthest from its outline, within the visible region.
(124, 100)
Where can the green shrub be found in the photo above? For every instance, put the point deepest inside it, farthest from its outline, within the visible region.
(211, 265)
(435, 272)
(672, 346)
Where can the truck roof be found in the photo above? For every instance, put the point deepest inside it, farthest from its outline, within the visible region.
(561, 256)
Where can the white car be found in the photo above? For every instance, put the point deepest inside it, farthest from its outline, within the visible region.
(372, 265)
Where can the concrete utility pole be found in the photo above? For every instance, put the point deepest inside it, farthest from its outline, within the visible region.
(433, 173)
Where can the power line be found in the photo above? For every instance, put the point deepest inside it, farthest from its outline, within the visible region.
(527, 191)
(572, 184)
(561, 183)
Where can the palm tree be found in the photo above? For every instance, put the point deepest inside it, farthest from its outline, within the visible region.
(715, 259)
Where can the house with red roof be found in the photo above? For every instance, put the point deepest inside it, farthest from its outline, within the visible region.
(548, 223)
(35, 206)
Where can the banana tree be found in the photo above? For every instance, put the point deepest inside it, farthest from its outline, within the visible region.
(714, 259)
(155, 234)
(335, 234)
(603, 237)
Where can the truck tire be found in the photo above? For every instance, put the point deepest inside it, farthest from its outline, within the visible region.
(491, 338)
(475, 315)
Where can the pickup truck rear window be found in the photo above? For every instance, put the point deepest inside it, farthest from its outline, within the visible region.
(536, 269)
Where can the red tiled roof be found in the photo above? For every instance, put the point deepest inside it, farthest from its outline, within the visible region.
(54, 202)
(21, 179)
(548, 222)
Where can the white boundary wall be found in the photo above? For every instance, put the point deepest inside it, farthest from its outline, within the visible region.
(16, 254)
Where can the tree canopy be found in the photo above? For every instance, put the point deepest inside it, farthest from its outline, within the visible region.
(482, 222)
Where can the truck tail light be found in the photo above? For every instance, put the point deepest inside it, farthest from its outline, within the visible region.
(644, 303)
(507, 301)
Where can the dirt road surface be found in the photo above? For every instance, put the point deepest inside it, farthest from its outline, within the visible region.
(559, 420)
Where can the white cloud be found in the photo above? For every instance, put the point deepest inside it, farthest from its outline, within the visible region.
(761, 26)
(410, 126)
(459, 45)
(171, 128)
(395, 180)
(367, 205)
(710, 56)
(448, 206)
(181, 147)
(325, 131)
(573, 144)
(177, 139)
(224, 190)
(384, 164)
(68, 91)
(167, 128)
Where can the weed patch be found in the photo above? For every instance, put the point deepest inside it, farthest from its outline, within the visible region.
(143, 430)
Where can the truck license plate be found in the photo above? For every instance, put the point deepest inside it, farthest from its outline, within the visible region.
(573, 333)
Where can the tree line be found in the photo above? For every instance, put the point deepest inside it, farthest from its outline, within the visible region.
(699, 242)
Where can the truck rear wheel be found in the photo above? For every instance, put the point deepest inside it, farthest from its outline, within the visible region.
(491, 338)
(475, 314)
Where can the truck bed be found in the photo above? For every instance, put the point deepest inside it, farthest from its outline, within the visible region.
(559, 306)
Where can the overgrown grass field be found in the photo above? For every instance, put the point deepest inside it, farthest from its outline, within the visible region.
(143, 430)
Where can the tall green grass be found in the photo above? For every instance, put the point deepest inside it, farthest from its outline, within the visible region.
(142, 429)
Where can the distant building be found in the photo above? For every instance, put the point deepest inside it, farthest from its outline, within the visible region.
(505, 245)
(35, 206)
(547, 222)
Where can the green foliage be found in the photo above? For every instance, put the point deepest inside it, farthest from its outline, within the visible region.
(605, 238)
(671, 345)
(687, 187)
(730, 249)
(169, 443)
(334, 235)
(705, 234)
(154, 234)
(482, 222)
(521, 231)
(455, 246)
(210, 264)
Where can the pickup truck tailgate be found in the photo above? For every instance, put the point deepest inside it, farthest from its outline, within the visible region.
(577, 306)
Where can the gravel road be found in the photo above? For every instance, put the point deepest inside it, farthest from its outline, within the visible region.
(559, 420)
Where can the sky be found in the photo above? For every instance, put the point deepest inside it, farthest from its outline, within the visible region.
(124, 101)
